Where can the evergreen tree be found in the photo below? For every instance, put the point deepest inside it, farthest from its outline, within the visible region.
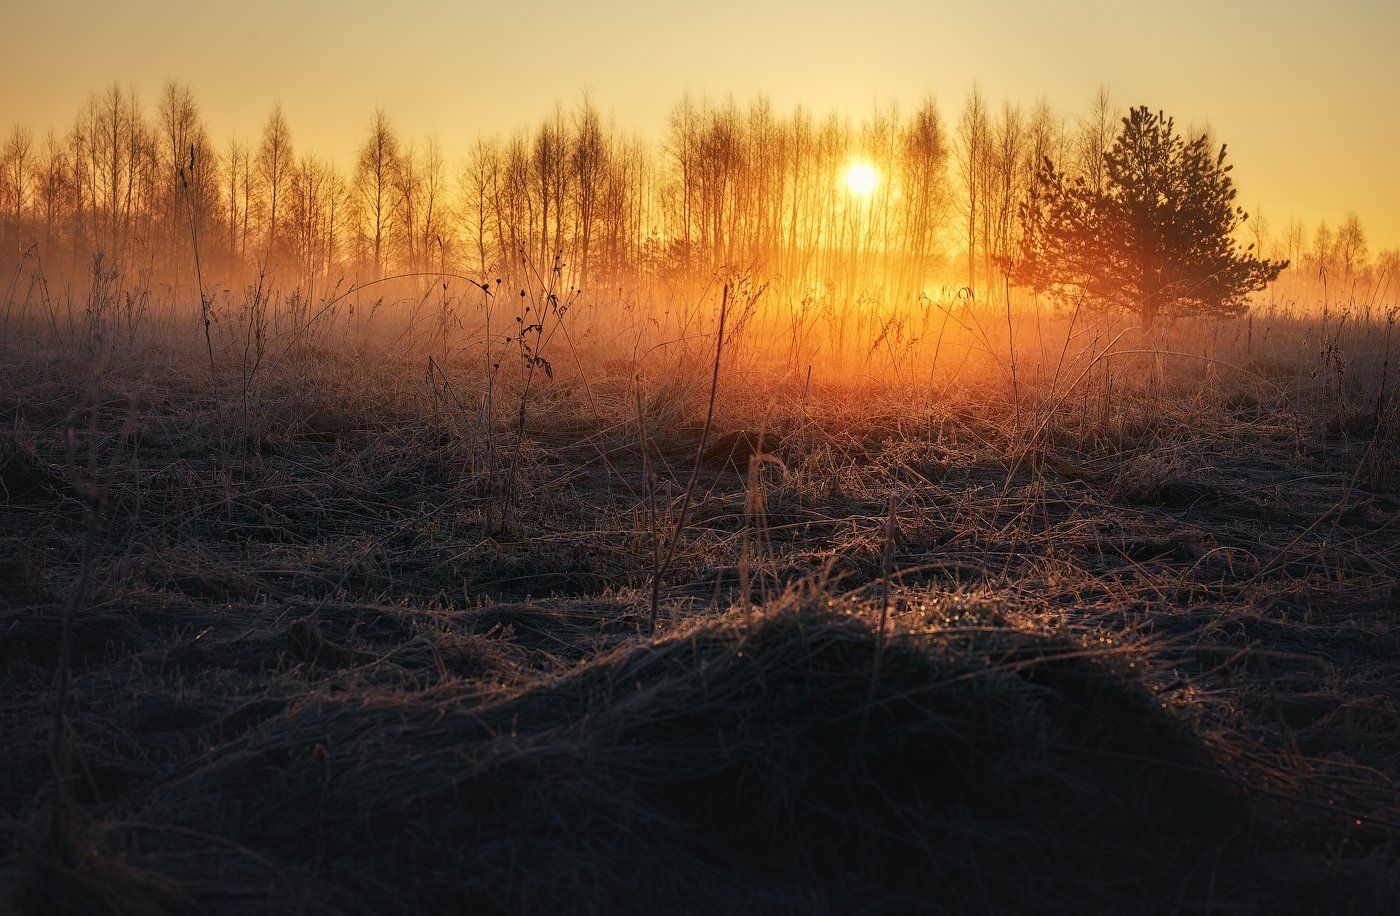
(1158, 238)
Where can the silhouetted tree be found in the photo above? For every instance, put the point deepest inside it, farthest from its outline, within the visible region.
(1158, 239)
(275, 164)
(375, 176)
(188, 174)
(238, 198)
(588, 160)
(925, 180)
(1351, 247)
(973, 145)
(16, 162)
(419, 181)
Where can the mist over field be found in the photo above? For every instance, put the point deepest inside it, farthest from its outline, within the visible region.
(961, 503)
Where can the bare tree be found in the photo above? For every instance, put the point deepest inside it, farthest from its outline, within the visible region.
(973, 148)
(588, 162)
(1092, 140)
(925, 179)
(238, 197)
(375, 179)
(189, 171)
(16, 160)
(275, 163)
(1351, 248)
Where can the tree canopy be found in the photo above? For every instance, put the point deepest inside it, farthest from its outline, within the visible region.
(1157, 237)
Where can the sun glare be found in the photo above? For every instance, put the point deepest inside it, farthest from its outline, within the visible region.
(861, 178)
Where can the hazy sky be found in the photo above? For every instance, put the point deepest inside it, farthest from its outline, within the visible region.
(1307, 94)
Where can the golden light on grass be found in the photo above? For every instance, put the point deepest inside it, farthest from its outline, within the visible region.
(861, 178)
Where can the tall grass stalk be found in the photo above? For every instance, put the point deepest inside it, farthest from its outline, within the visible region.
(679, 529)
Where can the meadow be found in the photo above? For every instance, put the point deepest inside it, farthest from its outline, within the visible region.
(957, 606)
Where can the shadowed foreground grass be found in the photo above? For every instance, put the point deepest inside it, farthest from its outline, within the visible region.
(740, 763)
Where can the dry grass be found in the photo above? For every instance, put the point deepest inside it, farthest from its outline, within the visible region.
(1133, 614)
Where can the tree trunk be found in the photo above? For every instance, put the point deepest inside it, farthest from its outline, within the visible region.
(1147, 314)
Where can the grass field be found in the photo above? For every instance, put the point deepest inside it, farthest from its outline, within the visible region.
(368, 605)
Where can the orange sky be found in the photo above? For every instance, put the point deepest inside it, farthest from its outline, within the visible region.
(1306, 94)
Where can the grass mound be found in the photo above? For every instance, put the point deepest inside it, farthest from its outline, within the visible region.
(735, 766)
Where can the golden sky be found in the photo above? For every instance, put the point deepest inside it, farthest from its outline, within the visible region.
(1307, 94)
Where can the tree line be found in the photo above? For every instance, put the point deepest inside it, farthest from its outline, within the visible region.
(139, 194)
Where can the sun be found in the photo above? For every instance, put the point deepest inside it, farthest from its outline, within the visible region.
(861, 178)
